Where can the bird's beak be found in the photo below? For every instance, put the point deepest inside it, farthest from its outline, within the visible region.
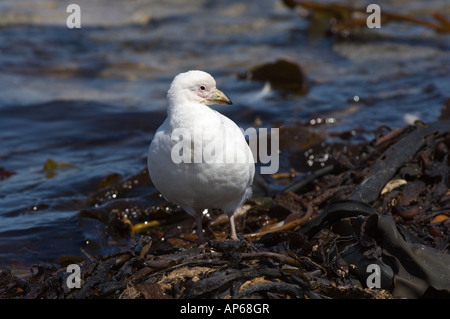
(218, 97)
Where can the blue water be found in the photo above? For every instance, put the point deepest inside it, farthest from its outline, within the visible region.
(92, 98)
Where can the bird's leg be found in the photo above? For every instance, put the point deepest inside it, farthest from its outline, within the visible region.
(233, 228)
(201, 236)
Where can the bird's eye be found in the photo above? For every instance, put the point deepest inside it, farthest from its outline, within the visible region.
(202, 88)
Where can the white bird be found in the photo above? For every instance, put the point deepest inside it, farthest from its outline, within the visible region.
(199, 158)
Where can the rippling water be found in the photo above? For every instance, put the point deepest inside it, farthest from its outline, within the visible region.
(90, 99)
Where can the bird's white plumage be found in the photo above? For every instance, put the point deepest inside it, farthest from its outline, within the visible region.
(221, 181)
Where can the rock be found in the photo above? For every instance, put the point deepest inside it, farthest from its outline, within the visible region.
(282, 75)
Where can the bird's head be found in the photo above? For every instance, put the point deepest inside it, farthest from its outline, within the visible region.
(196, 86)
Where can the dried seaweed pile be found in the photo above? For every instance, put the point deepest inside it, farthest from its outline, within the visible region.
(389, 206)
(217, 270)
